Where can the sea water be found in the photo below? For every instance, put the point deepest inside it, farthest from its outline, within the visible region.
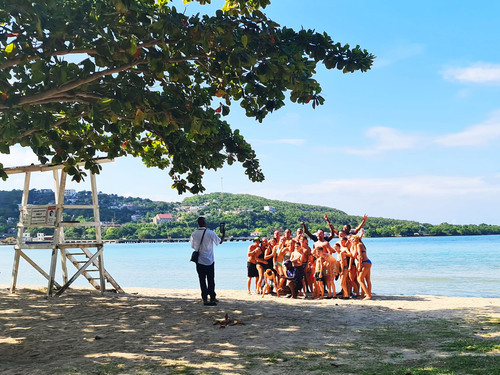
(443, 266)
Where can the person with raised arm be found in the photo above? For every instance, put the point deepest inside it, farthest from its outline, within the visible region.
(320, 235)
(347, 228)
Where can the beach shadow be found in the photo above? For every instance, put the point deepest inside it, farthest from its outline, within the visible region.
(83, 332)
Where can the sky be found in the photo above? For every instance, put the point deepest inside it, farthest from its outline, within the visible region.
(416, 137)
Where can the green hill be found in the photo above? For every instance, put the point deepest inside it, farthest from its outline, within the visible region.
(132, 218)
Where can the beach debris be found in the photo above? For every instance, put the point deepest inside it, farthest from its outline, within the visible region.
(223, 323)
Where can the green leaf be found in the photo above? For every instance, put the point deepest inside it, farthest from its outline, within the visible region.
(148, 70)
(4, 148)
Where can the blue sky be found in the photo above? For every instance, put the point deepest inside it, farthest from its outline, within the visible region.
(414, 138)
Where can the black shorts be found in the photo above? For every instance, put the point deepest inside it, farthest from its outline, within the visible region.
(252, 270)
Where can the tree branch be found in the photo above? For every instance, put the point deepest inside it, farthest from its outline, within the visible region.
(55, 125)
(88, 51)
(53, 95)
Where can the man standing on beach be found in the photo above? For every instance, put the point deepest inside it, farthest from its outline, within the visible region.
(205, 267)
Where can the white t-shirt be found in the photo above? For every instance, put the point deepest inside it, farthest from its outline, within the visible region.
(206, 249)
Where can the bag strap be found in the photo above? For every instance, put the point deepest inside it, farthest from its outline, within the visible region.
(201, 239)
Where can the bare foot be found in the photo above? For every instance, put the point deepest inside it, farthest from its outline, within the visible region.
(367, 298)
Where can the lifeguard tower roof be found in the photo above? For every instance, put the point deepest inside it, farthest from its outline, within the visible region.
(47, 167)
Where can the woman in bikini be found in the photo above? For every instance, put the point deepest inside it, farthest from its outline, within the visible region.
(270, 255)
(364, 266)
(345, 246)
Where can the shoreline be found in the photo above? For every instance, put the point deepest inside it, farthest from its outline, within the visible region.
(154, 331)
(235, 239)
(237, 294)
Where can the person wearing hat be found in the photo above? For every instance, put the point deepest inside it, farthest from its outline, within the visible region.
(203, 240)
(253, 253)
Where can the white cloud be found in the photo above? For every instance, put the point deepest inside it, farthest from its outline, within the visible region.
(398, 53)
(295, 142)
(478, 73)
(385, 139)
(417, 186)
(424, 198)
(476, 135)
(290, 118)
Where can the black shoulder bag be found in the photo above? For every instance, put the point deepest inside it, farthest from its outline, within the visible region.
(196, 253)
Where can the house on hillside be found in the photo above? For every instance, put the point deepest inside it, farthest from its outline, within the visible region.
(270, 209)
(69, 192)
(162, 218)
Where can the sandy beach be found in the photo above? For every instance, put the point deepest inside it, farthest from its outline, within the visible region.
(158, 331)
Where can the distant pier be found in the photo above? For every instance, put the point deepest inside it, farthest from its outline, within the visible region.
(169, 240)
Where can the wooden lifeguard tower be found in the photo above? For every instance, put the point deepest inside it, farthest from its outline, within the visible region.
(85, 255)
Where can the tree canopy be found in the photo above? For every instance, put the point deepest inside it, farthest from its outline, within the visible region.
(87, 78)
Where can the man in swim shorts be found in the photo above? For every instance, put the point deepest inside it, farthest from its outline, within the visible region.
(252, 272)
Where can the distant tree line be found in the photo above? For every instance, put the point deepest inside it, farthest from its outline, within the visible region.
(243, 214)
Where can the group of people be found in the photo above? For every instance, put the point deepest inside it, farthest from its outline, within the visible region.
(287, 266)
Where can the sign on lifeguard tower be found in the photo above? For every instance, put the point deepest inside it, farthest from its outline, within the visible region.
(39, 215)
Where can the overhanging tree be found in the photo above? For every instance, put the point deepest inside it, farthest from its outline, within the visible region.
(82, 78)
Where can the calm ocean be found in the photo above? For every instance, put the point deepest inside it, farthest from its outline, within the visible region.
(442, 266)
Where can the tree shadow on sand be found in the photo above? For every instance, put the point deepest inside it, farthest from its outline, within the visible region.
(83, 332)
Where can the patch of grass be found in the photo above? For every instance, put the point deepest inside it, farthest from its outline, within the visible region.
(101, 369)
(397, 355)
(454, 365)
(271, 357)
(472, 346)
(175, 368)
(432, 347)
(145, 369)
(446, 347)
(308, 360)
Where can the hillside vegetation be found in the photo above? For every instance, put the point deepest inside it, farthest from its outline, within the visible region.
(244, 215)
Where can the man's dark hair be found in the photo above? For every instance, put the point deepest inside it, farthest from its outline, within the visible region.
(202, 222)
